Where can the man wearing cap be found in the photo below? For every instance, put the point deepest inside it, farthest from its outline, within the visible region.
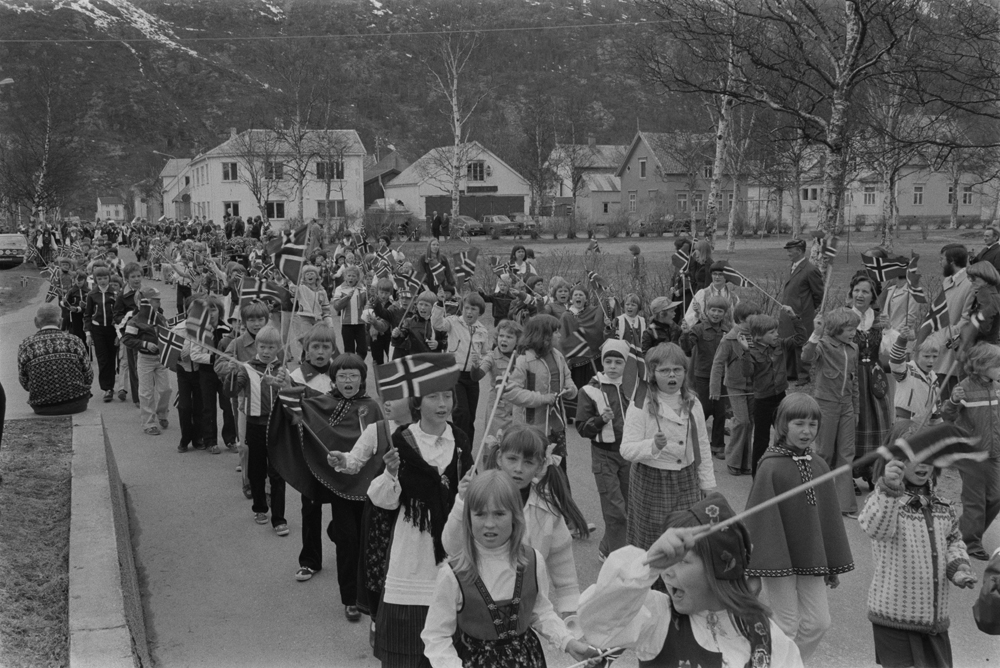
(54, 367)
(803, 294)
(991, 249)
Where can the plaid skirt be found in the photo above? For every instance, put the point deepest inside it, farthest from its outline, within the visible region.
(874, 415)
(397, 635)
(652, 495)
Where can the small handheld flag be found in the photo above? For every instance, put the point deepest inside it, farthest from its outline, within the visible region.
(937, 317)
(593, 247)
(576, 344)
(258, 289)
(465, 263)
(289, 252)
(829, 248)
(171, 345)
(681, 260)
(884, 269)
(198, 320)
(913, 282)
(735, 277)
(417, 375)
(940, 446)
(438, 271)
(596, 283)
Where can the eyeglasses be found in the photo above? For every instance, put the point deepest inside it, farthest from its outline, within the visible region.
(348, 377)
(669, 371)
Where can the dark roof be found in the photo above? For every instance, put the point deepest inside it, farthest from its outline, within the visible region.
(110, 200)
(392, 162)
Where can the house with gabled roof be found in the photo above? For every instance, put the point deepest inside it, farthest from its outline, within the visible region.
(668, 175)
(488, 186)
(110, 206)
(585, 180)
(381, 172)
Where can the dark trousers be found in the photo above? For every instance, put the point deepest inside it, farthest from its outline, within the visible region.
(211, 396)
(133, 377)
(260, 468)
(466, 402)
(189, 404)
(183, 292)
(764, 410)
(345, 532)
(355, 339)
(380, 348)
(980, 498)
(107, 354)
(716, 409)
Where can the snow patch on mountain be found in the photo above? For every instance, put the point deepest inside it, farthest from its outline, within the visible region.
(16, 7)
(129, 15)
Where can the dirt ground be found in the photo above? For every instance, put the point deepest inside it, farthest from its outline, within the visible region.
(34, 535)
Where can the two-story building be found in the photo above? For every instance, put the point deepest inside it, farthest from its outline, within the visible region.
(254, 173)
(488, 185)
(110, 206)
(592, 169)
(666, 175)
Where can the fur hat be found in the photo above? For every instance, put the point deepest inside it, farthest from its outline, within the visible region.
(730, 548)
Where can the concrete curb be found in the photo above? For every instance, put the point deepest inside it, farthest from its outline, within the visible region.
(106, 628)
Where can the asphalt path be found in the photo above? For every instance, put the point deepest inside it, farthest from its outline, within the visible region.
(219, 590)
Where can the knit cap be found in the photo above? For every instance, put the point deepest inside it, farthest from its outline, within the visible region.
(614, 348)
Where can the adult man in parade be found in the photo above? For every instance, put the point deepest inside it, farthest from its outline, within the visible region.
(54, 367)
(436, 225)
(802, 295)
(991, 250)
(959, 294)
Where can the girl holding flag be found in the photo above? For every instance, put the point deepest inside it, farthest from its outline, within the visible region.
(584, 327)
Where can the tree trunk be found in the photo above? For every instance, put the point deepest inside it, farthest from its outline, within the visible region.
(956, 175)
(731, 230)
(721, 136)
(834, 172)
(456, 174)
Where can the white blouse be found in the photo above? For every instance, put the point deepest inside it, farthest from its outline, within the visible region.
(499, 577)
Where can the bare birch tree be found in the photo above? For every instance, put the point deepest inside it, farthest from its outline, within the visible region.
(259, 165)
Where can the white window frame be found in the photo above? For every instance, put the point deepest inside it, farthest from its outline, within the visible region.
(698, 202)
(951, 195)
(632, 197)
(918, 194)
(869, 196)
(707, 170)
(682, 202)
(642, 168)
(606, 207)
(323, 208)
(335, 166)
(274, 170)
(275, 207)
(967, 196)
(475, 171)
(232, 208)
(230, 171)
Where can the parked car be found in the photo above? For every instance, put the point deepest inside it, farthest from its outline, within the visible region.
(13, 249)
(466, 226)
(528, 223)
(501, 225)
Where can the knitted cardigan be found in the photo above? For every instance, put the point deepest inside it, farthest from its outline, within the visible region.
(908, 589)
(54, 368)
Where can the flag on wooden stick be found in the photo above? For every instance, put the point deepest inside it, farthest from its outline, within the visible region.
(884, 269)
(735, 277)
(681, 260)
(829, 247)
(289, 252)
(417, 375)
(198, 320)
(465, 263)
(913, 281)
(258, 289)
(940, 446)
(171, 344)
(937, 317)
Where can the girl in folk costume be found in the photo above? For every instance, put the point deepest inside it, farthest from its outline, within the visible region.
(665, 438)
(558, 300)
(630, 326)
(350, 299)
(490, 601)
(800, 545)
(547, 506)
(917, 548)
(312, 307)
(709, 617)
(540, 381)
(519, 258)
(422, 471)
(584, 317)
(716, 288)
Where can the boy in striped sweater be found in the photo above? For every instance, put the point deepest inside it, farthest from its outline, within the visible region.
(258, 387)
(350, 301)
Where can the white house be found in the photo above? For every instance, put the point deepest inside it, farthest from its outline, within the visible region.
(592, 168)
(224, 179)
(488, 184)
(110, 206)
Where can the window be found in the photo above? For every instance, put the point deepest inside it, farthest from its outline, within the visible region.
(332, 208)
(607, 207)
(275, 210)
(231, 208)
(631, 201)
(682, 202)
(274, 171)
(966, 195)
(869, 195)
(698, 202)
(729, 201)
(918, 195)
(951, 194)
(229, 171)
(331, 169)
(476, 171)
(707, 170)
(642, 168)
(187, 180)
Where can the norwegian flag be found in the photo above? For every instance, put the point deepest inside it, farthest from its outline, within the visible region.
(54, 293)
(501, 269)
(361, 243)
(913, 281)
(940, 446)
(75, 250)
(576, 344)
(681, 260)
(289, 252)
(171, 344)
(593, 247)
(382, 269)
(937, 317)
(597, 283)
(882, 269)
(198, 320)
(417, 375)
(51, 273)
(408, 281)
(829, 247)
(735, 277)
(172, 322)
(257, 289)
(634, 376)
(465, 263)
(438, 271)
(291, 401)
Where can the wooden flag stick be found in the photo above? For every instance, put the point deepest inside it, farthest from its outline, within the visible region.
(496, 404)
(603, 655)
(826, 287)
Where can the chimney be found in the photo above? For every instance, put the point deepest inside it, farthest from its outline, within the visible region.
(591, 142)
(232, 133)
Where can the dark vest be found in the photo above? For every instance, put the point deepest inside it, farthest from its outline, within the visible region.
(681, 649)
(485, 619)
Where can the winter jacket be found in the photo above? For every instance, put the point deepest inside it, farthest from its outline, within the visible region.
(594, 397)
(527, 385)
(836, 365)
(766, 366)
(727, 365)
(701, 342)
(139, 333)
(463, 340)
(100, 309)
(414, 334)
(917, 393)
(909, 590)
(978, 413)
(350, 303)
(658, 333)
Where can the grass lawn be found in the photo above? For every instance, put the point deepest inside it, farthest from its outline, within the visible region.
(13, 295)
(34, 542)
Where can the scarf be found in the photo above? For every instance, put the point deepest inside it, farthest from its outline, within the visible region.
(426, 496)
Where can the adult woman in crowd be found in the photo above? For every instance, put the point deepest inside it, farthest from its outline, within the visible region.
(699, 270)
(985, 317)
(874, 399)
(427, 262)
(716, 288)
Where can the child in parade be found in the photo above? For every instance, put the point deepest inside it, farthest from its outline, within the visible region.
(600, 416)
(74, 304)
(419, 484)
(467, 340)
(800, 545)
(382, 316)
(918, 396)
(700, 341)
(917, 548)
(140, 334)
(709, 616)
(416, 334)
(490, 599)
(662, 328)
(975, 407)
(494, 364)
(547, 505)
(125, 306)
(189, 388)
(665, 439)
(258, 388)
(211, 395)
(313, 307)
(99, 325)
(765, 364)
(558, 298)
(540, 380)
(727, 370)
(501, 298)
(630, 326)
(832, 352)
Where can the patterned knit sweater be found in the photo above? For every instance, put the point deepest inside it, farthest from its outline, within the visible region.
(54, 368)
(916, 545)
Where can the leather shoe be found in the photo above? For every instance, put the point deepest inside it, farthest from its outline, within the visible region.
(352, 613)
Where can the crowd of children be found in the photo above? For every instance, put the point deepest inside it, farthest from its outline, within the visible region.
(463, 562)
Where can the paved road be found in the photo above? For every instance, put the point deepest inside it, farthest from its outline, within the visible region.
(219, 589)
